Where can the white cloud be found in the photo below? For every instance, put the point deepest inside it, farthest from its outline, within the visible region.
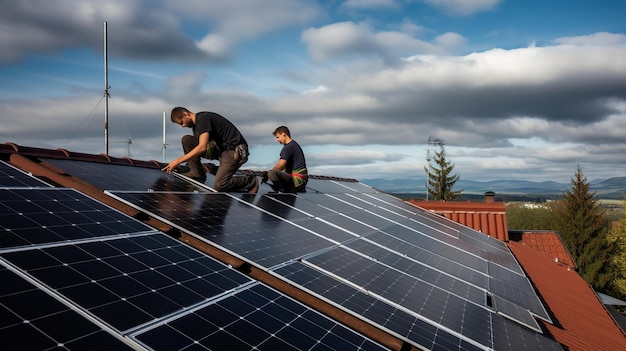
(349, 38)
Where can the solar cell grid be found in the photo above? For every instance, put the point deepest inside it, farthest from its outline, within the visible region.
(13, 177)
(520, 293)
(302, 203)
(329, 202)
(328, 186)
(30, 319)
(234, 225)
(426, 300)
(256, 318)
(431, 259)
(46, 215)
(129, 281)
(119, 177)
(420, 271)
(509, 336)
(408, 326)
(429, 243)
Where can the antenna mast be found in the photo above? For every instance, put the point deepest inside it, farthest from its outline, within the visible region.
(164, 144)
(106, 94)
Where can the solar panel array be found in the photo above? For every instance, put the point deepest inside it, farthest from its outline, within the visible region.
(78, 274)
(419, 276)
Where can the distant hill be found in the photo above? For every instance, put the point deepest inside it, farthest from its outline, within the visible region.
(612, 188)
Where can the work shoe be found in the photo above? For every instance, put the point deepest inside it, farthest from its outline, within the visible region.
(196, 177)
(255, 187)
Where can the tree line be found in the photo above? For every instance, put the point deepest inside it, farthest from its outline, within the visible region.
(596, 243)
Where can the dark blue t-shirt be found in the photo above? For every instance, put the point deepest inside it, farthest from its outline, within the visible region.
(293, 154)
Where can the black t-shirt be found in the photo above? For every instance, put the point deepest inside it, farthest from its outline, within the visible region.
(220, 130)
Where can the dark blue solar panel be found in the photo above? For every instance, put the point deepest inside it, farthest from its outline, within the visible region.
(234, 225)
(119, 177)
(517, 289)
(31, 319)
(414, 251)
(257, 318)
(426, 240)
(127, 282)
(301, 203)
(412, 328)
(45, 215)
(509, 336)
(430, 302)
(411, 267)
(13, 177)
(329, 186)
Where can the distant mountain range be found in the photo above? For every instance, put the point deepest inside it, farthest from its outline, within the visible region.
(612, 188)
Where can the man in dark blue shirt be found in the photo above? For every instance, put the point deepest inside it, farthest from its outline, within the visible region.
(289, 174)
(214, 137)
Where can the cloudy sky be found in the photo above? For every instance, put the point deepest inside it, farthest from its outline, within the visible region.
(516, 89)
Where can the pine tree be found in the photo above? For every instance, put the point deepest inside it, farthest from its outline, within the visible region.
(583, 226)
(440, 177)
(617, 237)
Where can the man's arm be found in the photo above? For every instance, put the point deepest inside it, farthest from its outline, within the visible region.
(200, 149)
(280, 165)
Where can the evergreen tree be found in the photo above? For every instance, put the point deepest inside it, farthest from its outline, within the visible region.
(617, 237)
(583, 227)
(440, 177)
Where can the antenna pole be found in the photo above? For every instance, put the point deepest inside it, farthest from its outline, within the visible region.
(164, 144)
(106, 94)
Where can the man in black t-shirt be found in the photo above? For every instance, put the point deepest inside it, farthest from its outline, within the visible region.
(214, 137)
(289, 174)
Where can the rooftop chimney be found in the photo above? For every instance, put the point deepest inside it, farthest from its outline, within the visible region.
(490, 197)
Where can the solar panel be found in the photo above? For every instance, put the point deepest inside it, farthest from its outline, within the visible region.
(13, 177)
(516, 288)
(301, 203)
(235, 226)
(31, 319)
(496, 333)
(256, 318)
(131, 281)
(407, 326)
(431, 259)
(434, 304)
(419, 271)
(328, 186)
(120, 177)
(46, 215)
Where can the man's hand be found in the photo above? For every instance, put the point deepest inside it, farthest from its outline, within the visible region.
(171, 166)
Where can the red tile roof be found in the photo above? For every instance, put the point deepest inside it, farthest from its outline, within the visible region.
(581, 322)
(486, 217)
(547, 242)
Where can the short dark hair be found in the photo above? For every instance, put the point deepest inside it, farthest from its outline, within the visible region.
(177, 113)
(282, 129)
